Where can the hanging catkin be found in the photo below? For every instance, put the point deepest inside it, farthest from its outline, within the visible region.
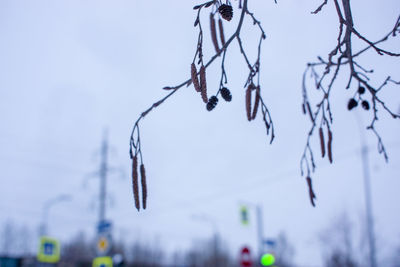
(330, 145)
(322, 141)
(214, 32)
(203, 84)
(221, 32)
(311, 191)
(256, 103)
(144, 185)
(195, 80)
(248, 101)
(135, 182)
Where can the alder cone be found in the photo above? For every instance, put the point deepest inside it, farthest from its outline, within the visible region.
(226, 94)
(226, 12)
(365, 104)
(212, 102)
(352, 104)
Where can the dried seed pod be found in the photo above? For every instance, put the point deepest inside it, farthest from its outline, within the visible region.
(352, 104)
(203, 84)
(321, 138)
(221, 32)
(214, 32)
(226, 11)
(135, 182)
(330, 145)
(256, 103)
(311, 191)
(195, 80)
(144, 185)
(226, 94)
(248, 101)
(212, 103)
(365, 104)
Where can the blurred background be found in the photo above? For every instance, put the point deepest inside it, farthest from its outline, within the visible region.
(74, 77)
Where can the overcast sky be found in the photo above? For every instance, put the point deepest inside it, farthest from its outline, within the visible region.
(70, 69)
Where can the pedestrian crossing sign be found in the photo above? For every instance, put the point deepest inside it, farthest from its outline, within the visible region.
(49, 250)
(102, 262)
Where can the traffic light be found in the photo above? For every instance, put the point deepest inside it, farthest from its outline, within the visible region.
(268, 259)
(244, 215)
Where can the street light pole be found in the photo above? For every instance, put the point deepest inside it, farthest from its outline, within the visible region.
(368, 196)
(43, 230)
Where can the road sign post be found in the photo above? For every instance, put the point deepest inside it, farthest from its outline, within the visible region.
(49, 250)
(245, 257)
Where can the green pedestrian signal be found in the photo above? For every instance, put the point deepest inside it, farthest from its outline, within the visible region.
(268, 259)
(244, 215)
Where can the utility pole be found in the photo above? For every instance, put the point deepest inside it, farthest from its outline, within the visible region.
(104, 226)
(103, 179)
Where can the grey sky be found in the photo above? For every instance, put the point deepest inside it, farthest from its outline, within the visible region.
(68, 69)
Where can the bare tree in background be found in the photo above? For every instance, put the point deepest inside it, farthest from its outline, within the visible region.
(337, 243)
(322, 74)
(139, 254)
(79, 251)
(396, 257)
(284, 251)
(211, 253)
(8, 238)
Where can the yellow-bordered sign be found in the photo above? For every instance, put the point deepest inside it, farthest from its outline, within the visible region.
(49, 250)
(102, 262)
(103, 244)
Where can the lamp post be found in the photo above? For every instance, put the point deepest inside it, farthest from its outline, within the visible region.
(368, 195)
(43, 230)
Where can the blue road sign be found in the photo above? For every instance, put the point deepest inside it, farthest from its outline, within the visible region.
(270, 242)
(104, 227)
